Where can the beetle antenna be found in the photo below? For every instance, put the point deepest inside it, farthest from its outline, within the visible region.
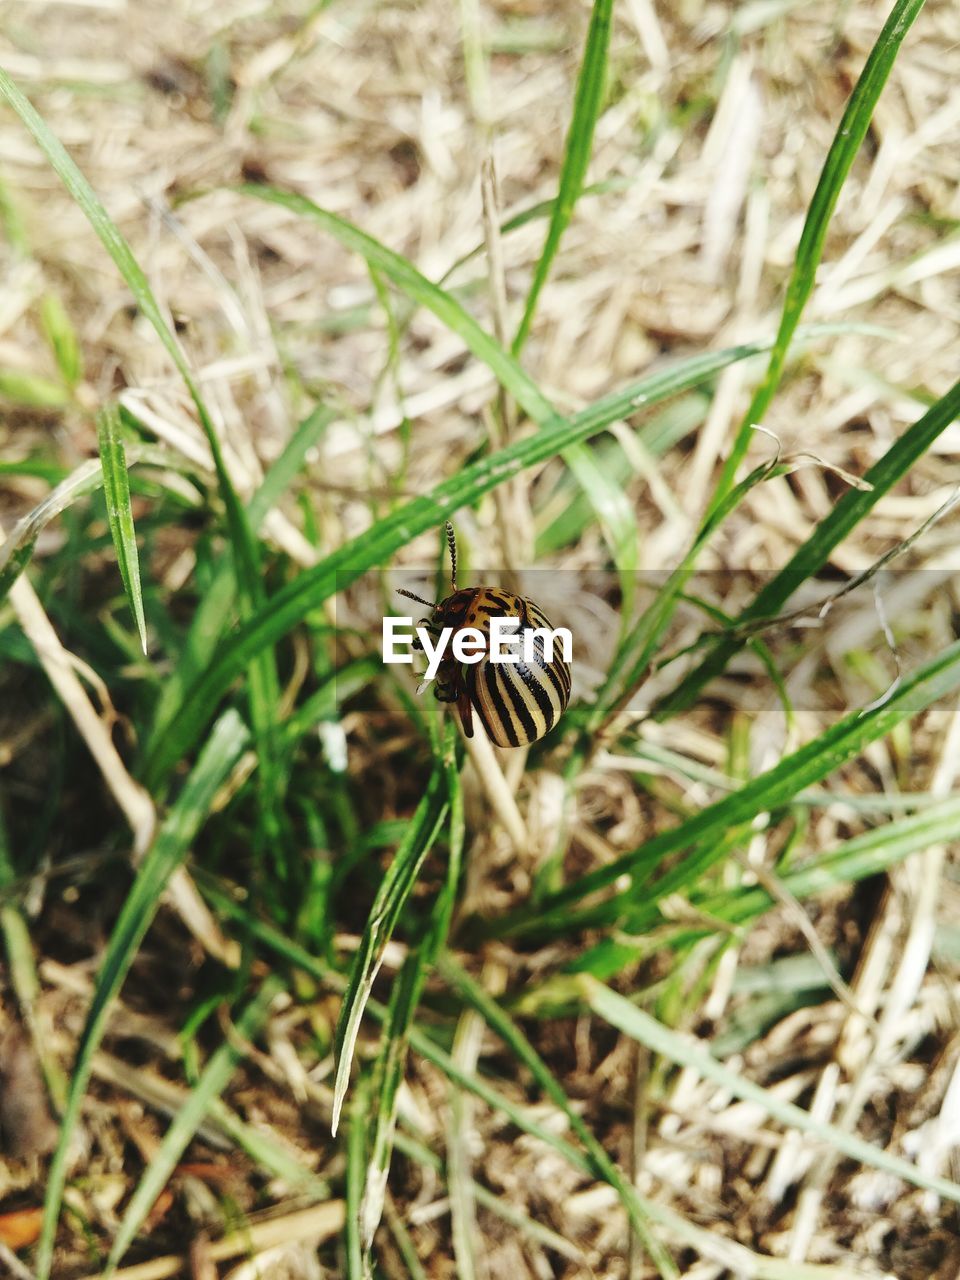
(452, 544)
(419, 599)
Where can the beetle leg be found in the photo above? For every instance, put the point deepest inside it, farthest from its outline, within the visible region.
(465, 708)
(422, 622)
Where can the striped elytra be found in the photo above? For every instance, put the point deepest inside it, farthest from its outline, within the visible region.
(517, 702)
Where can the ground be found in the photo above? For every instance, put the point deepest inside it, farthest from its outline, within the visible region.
(716, 124)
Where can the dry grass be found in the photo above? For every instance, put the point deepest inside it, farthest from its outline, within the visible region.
(715, 142)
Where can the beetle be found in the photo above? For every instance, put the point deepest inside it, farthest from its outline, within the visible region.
(517, 702)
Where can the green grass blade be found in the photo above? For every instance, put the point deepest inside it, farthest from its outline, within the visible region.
(509, 1213)
(18, 547)
(62, 338)
(213, 1080)
(420, 1042)
(226, 742)
(356, 1176)
(688, 1052)
(617, 518)
(533, 212)
(32, 390)
(637, 649)
(405, 276)
(21, 969)
(215, 610)
(391, 895)
(16, 933)
(846, 143)
(570, 512)
(116, 492)
(12, 222)
(264, 684)
(82, 193)
(768, 791)
(586, 109)
(268, 1152)
(523, 1051)
(388, 1075)
(405, 1246)
(852, 507)
(404, 999)
(858, 858)
(309, 589)
(614, 512)
(116, 246)
(447, 898)
(15, 555)
(869, 854)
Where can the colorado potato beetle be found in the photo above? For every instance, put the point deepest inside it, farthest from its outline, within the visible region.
(517, 702)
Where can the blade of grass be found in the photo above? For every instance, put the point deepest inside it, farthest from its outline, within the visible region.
(22, 970)
(846, 144)
(842, 518)
(116, 246)
(15, 555)
(856, 859)
(222, 750)
(523, 1051)
(610, 504)
(391, 895)
(214, 611)
(768, 791)
(843, 150)
(586, 109)
(759, 648)
(404, 1000)
(686, 1051)
(636, 651)
(213, 1080)
(263, 679)
(116, 492)
(611, 507)
(613, 511)
(268, 1152)
(388, 1074)
(420, 1042)
(292, 603)
(459, 1124)
(405, 1246)
(542, 209)
(17, 548)
(44, 470)
(62, 338)
(13, 222)
(32, 390)
(356, 1175)
(468, 1255)
(405, 276)
(415, 1150)
(568, 511)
